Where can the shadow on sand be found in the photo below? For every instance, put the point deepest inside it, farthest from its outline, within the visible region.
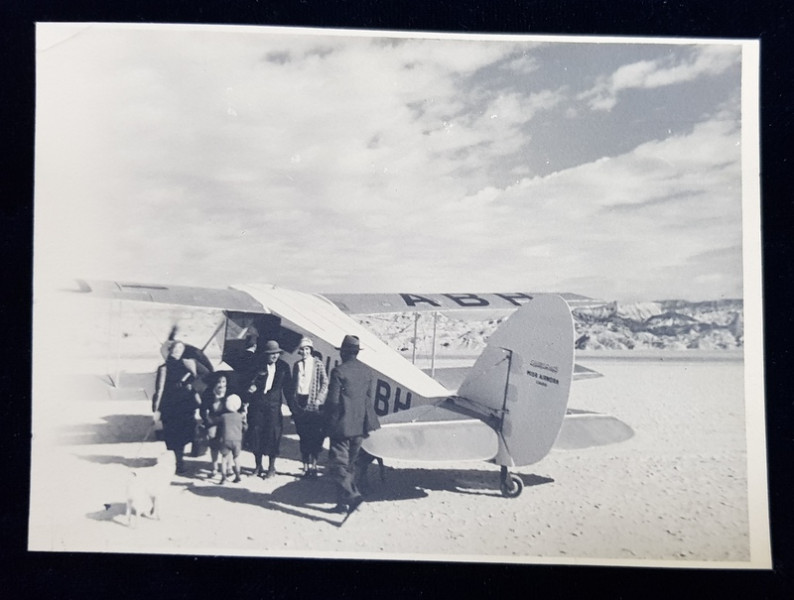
(296, 498)
(107, 459)
(399, 484)
(313, 498)
(115, 513)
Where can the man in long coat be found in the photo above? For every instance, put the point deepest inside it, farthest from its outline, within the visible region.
(351, 416)
(267, 391)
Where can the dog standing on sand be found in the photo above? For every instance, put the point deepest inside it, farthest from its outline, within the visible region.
(146, 487)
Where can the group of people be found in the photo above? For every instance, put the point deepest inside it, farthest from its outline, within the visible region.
(339, 406)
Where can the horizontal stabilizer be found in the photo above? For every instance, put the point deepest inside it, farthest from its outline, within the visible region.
(432, 434)
(582, 429)
(580, 372)
(452, 377)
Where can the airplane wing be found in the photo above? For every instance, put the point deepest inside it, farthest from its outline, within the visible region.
(352, 304)
(497, 303)
(228, 299)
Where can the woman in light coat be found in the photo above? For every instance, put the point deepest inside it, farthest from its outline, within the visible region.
(309, 389)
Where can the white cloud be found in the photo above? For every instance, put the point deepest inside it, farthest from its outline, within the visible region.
(523, 65)
(646, 74)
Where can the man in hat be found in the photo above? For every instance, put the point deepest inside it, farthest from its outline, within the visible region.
(351, 416)
(266, 392)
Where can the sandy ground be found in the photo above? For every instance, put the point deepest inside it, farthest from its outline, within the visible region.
(677, 492)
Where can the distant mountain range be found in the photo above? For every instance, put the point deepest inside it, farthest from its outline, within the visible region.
(665, 324)
(659, 325)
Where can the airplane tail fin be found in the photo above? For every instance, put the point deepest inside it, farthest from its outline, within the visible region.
(520, 383)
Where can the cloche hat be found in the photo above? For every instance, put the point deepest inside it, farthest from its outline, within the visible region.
(272, 347)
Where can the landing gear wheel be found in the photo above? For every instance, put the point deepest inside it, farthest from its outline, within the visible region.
(511, 486)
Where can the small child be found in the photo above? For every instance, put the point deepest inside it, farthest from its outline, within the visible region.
(231, 426)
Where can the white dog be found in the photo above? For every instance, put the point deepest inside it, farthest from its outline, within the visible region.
(147, 485)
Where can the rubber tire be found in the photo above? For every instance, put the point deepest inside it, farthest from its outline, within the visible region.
(513, 487)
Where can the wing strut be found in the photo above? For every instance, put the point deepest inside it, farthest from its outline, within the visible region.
(433, 352)
(214, 333)
(416, 333)
(509, 358)
(115, 375)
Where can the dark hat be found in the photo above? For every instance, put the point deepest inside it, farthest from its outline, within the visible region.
(271, 347)
(351, 342)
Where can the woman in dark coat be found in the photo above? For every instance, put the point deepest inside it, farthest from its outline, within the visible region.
(175, 402)
(266, 393)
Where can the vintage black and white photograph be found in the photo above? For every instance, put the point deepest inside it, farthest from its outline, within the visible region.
(323, 293)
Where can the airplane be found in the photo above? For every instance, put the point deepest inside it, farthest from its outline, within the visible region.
(509, 409)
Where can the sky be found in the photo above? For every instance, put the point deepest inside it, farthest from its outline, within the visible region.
(340, 162)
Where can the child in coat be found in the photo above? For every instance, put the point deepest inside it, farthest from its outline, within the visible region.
(231, 426)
